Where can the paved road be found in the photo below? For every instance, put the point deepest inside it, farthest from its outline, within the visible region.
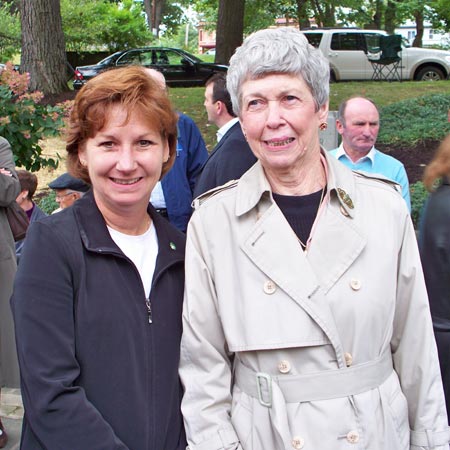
(11, 412)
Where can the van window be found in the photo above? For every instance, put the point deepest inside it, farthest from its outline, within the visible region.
(348, 41)
(314, 38)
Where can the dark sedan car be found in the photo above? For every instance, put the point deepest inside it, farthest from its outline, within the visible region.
(179, 67)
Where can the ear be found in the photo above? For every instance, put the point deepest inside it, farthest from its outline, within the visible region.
(323, 112)
(166, 151)
(339, 126)
(220, 107)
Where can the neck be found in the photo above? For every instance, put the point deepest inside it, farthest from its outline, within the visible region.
(308, 179)
(355, 155)
(26, 205)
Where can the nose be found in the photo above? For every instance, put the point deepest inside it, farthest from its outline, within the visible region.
(126, 161)
(274, 114)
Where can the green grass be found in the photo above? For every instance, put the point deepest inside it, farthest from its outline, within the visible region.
(190, 100)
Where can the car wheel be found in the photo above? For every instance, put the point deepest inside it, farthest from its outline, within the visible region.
(430, 73)
(332, 77)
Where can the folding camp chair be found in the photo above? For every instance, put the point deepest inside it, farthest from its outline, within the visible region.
(386, 59)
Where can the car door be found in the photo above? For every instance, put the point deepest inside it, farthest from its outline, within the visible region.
(348, 56)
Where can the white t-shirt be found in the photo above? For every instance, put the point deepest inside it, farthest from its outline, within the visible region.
(142, 250)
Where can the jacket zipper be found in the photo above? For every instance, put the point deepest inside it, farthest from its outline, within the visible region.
(149, 310)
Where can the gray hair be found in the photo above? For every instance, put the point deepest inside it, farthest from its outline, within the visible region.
(280, 50)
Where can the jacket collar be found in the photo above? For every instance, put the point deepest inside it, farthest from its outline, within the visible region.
(253, 186)
(96, 238)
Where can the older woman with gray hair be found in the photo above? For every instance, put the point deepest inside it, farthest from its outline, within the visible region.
(306, 320)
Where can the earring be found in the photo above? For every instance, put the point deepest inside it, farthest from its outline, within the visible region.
(83, 162)
(323, 126)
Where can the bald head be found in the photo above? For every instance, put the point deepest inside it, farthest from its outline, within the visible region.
(157, 76)
(358, 124)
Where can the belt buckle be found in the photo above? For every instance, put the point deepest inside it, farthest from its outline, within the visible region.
(260, 376)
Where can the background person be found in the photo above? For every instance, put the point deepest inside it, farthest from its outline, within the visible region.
(294, 334)
(231, 157)
(358, 123)
(104, 299)
(68, 190)
(9, 188)
(28, 185)
(172, 197)
(434, 244)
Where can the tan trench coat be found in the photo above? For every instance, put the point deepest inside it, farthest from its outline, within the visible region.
(326, 350)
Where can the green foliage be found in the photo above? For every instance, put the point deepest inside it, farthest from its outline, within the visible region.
(414, 120)
(418, 197)
(103, 24)
(47, 202)
(9, 33)
(24, 121)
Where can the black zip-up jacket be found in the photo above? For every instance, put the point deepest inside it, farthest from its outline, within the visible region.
(95, 373)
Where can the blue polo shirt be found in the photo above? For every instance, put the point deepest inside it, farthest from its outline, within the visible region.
(378, 163)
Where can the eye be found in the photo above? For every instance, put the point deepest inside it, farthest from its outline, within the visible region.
(291, 100)
(256, 105)
(107, 144)
(145, 143)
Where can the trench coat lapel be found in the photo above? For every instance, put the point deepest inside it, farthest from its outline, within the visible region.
(272, 245)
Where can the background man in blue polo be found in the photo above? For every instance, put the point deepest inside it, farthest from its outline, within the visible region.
(358, 123)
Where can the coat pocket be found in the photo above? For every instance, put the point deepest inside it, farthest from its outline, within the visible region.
(396, 408)
(242, 418)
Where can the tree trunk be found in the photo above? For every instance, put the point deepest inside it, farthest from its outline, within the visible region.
(302, 14)
(418, 15)
(230, 29)
(43, 49)
(148, 12)
(389, 16)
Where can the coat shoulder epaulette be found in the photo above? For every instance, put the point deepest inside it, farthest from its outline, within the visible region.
(380, 178)
(202, 198)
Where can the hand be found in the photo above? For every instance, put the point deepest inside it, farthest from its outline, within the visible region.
(5, 172)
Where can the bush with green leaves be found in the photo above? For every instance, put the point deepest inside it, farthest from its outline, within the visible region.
(414, 120)
(418, 197)
(47, 202)
(24, 121)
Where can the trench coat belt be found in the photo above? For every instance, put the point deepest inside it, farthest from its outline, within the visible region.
(327, 384)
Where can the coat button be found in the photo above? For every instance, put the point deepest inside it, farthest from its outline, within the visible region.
(298, 442)
(355, 284)
(284, 366)
(269, 287)
(348, 359)
(344, 211)
(353, 437)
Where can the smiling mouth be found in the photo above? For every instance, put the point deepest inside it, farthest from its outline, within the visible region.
(125, 182)
(279, 143)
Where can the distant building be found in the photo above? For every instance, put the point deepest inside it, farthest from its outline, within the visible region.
(206, 38)
(430, 36)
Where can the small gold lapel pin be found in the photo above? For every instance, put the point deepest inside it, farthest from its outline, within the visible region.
(345, 198)
(173, 246)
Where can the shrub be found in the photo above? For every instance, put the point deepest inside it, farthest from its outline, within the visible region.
(414, 120)
(418, 196)
(47, 202)
(24, 121)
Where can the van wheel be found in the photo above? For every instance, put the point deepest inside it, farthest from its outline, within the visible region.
(430, 73)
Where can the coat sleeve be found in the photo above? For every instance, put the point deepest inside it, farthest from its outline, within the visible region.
(414, 352)
(9, 185)
(56, 408)
(205, 366)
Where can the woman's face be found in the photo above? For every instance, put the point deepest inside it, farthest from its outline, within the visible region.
(279, 117)
(124, 160)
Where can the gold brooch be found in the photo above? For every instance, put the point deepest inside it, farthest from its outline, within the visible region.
(345, 198)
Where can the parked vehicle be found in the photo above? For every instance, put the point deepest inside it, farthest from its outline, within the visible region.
(347, 51)
(180, 68)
